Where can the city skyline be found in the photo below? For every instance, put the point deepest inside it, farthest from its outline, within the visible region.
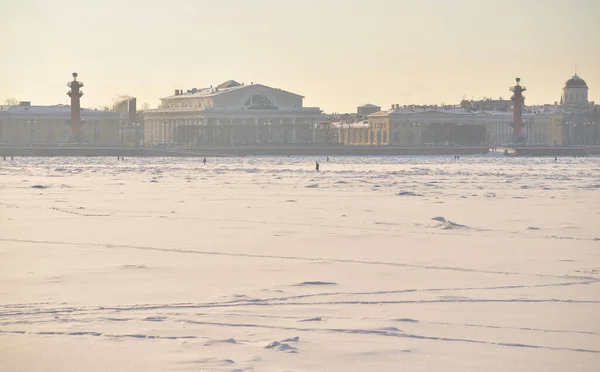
(338, 55)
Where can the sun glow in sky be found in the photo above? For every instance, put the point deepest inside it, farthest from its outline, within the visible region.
(339, 54)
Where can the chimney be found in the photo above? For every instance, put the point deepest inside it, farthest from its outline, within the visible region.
(133, 110)
(176, 92)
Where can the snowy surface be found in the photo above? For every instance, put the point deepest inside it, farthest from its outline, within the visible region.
(262, 264)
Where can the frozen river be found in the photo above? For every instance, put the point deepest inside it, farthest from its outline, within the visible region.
(263, 264)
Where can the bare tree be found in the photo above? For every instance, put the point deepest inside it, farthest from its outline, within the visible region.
(328, 131)
(11, 101)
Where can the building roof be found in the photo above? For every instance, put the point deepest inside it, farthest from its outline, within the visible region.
(360, 124)
(229, 84)
(458, 111)
(425, 109)
(368, 105)
(52, 110)
(226, 87)
(575, 82)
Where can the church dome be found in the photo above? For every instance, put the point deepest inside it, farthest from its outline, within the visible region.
(576, 82)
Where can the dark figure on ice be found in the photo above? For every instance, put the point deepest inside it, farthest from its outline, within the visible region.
(5, 157)
(555, 158)
(204, 161)
(328, 159)
(11, 158)
(317, 166)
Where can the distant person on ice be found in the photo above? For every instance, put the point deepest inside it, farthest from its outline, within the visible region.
(204, 161)
(317, 166)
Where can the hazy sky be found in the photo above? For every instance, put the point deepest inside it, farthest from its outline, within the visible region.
(337, 53)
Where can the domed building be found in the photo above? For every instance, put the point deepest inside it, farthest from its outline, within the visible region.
(575, 92)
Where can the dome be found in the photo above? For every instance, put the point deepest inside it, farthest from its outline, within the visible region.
(575, 82)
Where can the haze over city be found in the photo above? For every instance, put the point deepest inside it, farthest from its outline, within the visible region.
(338, 54)
(300, 185)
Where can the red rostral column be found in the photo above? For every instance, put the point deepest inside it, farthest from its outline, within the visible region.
(75, 95)
(518, 103)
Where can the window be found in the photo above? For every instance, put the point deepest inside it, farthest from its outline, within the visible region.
(260, 100)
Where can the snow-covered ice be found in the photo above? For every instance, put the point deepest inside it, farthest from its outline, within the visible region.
(263, 264)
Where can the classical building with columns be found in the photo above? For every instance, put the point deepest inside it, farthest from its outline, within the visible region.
(575, 121)
(32, 125)
(449, 126)
(580, 117)
(232, 114)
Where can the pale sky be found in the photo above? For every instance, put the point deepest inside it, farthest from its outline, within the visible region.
(339, 54)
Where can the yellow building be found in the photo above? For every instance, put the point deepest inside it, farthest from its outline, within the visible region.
(555, 133)
(25, 124)
(372, 132)
(356, 134)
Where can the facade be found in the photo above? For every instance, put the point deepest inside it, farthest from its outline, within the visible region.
(356, 133)
(51, 125)
(580, 126)
(419, 126)
(232, 114)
